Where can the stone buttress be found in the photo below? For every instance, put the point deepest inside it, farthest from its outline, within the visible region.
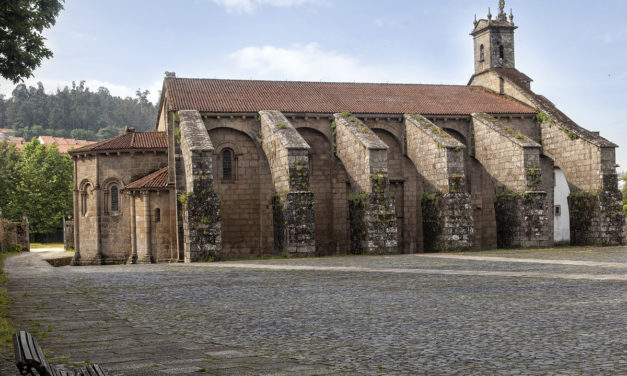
(373, 226)
(200, 203)
(293, 205)
(513, 161)
(446, 206)
(587, 160)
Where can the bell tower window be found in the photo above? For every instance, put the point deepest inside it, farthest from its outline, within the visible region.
(501, 52)
(481, 53)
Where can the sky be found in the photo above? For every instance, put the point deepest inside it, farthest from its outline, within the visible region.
(575, 51)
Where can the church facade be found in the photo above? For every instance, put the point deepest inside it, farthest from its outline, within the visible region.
(244, 168)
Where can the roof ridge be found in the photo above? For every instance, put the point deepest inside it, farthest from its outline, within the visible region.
(314, 82)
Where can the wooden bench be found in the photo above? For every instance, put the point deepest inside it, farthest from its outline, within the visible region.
(30, 358)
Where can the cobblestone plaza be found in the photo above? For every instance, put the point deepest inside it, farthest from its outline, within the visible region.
(526, 312)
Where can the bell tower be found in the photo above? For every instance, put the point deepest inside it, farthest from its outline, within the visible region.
(494, 41)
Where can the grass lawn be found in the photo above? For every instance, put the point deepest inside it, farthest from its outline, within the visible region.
(6, 328)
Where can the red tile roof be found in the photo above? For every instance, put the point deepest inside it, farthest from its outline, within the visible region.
(156, 180)
(220, 96)
(128, 141)
(19, 142)
(64, 144)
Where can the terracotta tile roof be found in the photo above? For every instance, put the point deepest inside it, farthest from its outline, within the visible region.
(19, 142)
(220, 96)
(156, 180)
(128, 141)
(64, 144)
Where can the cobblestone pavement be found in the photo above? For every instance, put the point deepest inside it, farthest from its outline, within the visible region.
(452, 314)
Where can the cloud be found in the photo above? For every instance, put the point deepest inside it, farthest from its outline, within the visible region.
(300, 62)
(249, 6)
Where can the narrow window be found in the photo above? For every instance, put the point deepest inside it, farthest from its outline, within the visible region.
(227, 173)
(558, 210)
(157, 215)
(501, 52)
(481, 53)
(114, 198)
(83, 203)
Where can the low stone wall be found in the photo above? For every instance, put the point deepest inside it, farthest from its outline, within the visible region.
(68, 234)
(14, 235)
(293, 206)
(372, 213)
(201, 205)
(597, 218)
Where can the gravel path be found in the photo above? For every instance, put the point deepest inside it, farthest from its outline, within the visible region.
(511, 313)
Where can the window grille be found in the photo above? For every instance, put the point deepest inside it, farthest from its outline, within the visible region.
(114, 198)
(227, 165)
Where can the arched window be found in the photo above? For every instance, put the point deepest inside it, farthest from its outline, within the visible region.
(501, 52)
(114, 198)
(227, 164)
(481, 53)
(157, 215)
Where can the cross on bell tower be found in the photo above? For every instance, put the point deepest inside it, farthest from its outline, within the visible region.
(494, 41)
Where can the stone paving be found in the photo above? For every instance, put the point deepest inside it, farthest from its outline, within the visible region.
(477, 313)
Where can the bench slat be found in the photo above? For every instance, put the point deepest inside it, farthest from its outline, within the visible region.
(29, 355)
(25, 345)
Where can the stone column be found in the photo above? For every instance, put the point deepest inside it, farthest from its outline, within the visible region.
(513, 160)
(98, 198)
(371, 209)
(287, 154)
(77, 202)
(146, 255)
(446, 210)
(133, 257)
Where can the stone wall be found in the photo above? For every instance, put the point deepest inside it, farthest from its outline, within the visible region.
(14, 236)
(405, 185)
(288, 157)
(447, 213)
(513, 161)
(246, 196)
(201, 222)
(327, 181)
(371, 208)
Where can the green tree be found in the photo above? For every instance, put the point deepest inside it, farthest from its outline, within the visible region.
(108, 132)
(623, 177)
(21, 42)
(83, 134)
(42, 188)
(9, 158)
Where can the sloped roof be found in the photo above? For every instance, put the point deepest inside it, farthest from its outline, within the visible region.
(128, 141)
(64, 144)
(156, 180)
(542, 103)
(245, 96)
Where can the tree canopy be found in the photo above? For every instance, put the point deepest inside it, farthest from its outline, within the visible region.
(74, 112)
(22, 45)
(36, 183)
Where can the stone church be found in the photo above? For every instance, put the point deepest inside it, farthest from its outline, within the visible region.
(246, 168)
